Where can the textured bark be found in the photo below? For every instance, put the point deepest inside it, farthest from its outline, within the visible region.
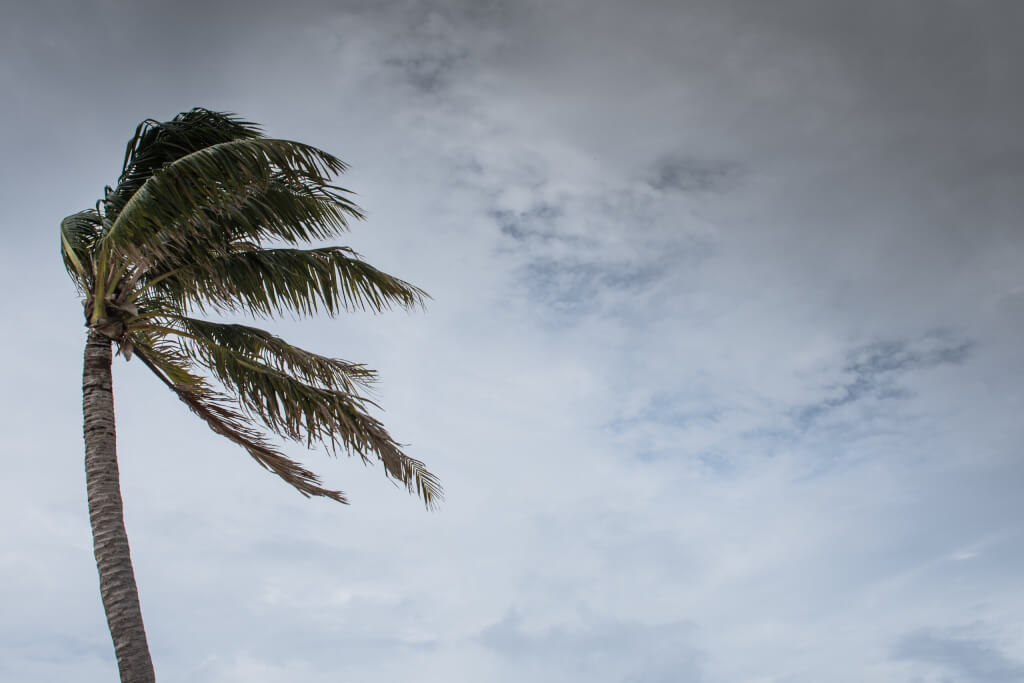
(110, 542)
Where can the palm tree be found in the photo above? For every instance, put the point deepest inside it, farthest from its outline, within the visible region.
(208, 216)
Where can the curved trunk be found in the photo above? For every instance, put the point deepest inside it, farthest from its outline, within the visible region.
(110, 542)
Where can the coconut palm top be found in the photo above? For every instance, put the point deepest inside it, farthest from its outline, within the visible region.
(210, 216)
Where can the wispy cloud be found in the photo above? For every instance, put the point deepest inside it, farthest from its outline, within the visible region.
(872, 372)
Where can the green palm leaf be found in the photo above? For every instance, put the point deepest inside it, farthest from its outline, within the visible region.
(157, 143)
(179, 201)
(265, 282)
(252, 342)
(195, 223)
(218, 411)
(78, 235)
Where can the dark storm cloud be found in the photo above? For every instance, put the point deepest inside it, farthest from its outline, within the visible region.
(881, 138)
(104, 53)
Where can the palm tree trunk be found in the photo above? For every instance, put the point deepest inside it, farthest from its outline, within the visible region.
(110, 542)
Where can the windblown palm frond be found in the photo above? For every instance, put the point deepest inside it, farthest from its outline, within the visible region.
(196, 223)
(265, 282)
(78, 235)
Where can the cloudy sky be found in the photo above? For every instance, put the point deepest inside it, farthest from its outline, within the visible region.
(722, 371)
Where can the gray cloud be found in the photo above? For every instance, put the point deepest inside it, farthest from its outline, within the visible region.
(965, 659)
(605, 651)
(873, 371)
(533, 223)
(684, 174)
(576, 288)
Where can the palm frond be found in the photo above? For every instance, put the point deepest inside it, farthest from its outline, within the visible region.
(287, 209)
(217, 178)
(265, 282)
(313, 413)
(157, 143)
(252, 342)
(78, 235)
(216, 410)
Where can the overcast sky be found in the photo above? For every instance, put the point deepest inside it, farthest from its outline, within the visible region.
(722, 371)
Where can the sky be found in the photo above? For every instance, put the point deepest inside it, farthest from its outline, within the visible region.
(721, 372)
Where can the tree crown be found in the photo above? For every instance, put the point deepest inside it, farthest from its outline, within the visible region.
(208, 215)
